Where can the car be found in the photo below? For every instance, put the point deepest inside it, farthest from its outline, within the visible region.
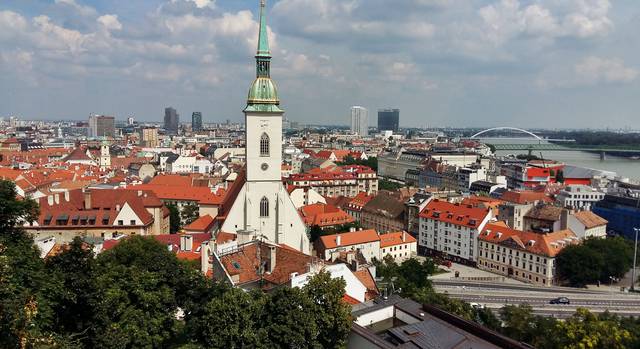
(560, 300)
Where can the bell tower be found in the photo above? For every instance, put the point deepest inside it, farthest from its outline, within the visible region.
(263, 116)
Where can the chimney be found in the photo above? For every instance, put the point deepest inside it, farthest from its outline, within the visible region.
(186, 242)
(272, 258)
(139, 192)
(56, 198)
(66, 196)
(352, 229)
(404, 236)
(50, 200)
(87, 199)
(204, 257)
(338, 240)
(117, 208)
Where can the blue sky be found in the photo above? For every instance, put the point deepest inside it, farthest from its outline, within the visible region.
(526, 63)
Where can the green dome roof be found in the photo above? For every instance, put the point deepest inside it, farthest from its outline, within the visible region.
(263, 91)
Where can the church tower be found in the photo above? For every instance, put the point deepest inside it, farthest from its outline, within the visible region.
(105, 156)
(263, 116)
(263, 208)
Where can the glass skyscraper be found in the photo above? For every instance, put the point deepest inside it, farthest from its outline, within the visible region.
(388, 119)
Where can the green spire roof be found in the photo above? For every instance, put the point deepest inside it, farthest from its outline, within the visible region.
(263, 94)
(263, 38)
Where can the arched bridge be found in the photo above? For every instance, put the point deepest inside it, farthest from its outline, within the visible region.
(507, 128)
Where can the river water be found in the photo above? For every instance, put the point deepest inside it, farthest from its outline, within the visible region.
(625, 167)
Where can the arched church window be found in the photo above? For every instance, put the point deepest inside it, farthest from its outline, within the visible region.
(264, 145)
(264, 207)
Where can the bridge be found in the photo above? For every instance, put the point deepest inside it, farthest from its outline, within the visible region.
(603, 150)
(507, 128)
(545, 144)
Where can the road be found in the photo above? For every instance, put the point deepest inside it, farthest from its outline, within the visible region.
(497, 295)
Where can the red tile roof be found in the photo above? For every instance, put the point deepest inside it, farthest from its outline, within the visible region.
(367, 280)
(395, 238)
(463, 215)
(350, 238)
(590, 219)
(202, 223)
(324, 215)
(549, 244)
(245, 262)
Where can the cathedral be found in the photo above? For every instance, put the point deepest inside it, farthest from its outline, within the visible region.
(262, 208)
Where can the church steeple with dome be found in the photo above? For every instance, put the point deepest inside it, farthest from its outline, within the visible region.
(263, 94)
(262, 208)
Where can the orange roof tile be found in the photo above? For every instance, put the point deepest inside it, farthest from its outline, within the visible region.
(549, 244)
(350, 238)
(395, 238)
(590, 219)
(463, 215)
(202, 223)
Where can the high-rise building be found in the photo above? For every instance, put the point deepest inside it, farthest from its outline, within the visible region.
(388, 119)
(196, 121)
(360, 121)
(150, 137)
(262, 207)
(102, 126)
(171, 120)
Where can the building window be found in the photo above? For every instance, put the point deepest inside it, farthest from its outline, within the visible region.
(264, 145)
(264, 207)
(132, 222)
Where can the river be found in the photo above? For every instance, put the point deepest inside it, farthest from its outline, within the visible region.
(625, 167)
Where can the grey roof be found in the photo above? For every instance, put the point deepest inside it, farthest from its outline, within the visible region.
(570, 171)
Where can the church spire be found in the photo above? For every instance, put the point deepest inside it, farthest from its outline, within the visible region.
(263, 94)
(263, 38)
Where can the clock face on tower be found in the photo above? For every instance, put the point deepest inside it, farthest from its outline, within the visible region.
(264, 166)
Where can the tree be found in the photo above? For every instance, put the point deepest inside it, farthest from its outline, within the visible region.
(332, 314)
(579, 265)
(25, 310)
(586, 330)
(287, 320)
(72, 306)
(13, 212)
(228, 321)
(138, 288)
(190, 213)
(175, 222)
(617, 253)
(315, 232)
(584, 264)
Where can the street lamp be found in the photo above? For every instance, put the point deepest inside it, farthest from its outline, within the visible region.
(635, 252)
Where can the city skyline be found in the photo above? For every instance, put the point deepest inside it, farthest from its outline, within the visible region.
(481, 63)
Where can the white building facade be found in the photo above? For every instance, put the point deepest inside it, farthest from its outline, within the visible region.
(360, 121)
(451, 230)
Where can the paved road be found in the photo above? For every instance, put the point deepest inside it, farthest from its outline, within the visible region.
(496, 295)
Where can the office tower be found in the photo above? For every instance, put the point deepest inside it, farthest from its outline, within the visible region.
(102, 126)
(388, 119)
(171, 120)
(360, 121)
(196, 121)
(150, 137)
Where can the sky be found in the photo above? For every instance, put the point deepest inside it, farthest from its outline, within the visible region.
(443, 63)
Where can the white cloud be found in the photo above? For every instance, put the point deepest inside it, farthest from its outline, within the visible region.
(594, 70)
(110, 22)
